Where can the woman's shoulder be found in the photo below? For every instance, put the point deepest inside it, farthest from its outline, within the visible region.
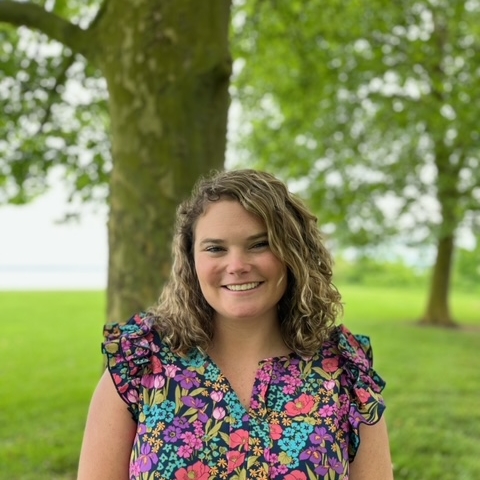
(134, 352)
(349, 357)
(349, 347)
(131, 341)
(353, 354)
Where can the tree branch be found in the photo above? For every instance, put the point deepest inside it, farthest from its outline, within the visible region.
(33, 16)
(99, 15)
(53, 93)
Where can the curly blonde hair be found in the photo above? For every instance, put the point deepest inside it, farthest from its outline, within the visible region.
(311, 303)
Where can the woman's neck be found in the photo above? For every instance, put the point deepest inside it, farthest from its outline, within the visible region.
(243, 339)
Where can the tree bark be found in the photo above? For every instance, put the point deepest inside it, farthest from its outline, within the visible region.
(167, 67)
(438, 308)
(36, 17)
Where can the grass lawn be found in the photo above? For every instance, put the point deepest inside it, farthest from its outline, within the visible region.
(50, 351)
(433, 380)
(50, 362)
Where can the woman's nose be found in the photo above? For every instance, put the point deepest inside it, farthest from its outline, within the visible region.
(238, 262)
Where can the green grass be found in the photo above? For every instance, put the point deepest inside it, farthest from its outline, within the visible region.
(433, 380)
(50, 362)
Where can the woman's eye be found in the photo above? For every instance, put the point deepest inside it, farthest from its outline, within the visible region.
(262, 244)
(214, 249)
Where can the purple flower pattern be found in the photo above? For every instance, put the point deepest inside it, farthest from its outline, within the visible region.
(302, 422)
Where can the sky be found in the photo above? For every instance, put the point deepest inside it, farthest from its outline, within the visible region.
(38, 253)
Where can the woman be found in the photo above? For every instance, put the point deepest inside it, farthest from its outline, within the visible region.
(239, 371)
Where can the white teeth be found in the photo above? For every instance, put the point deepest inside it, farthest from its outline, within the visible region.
(243, 287)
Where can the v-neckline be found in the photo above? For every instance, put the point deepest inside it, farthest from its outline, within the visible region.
(268, 363)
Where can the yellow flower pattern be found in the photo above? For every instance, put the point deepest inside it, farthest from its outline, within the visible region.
(302, 423)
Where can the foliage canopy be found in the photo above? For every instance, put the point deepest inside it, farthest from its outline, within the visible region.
(371, 108)
(55, 108)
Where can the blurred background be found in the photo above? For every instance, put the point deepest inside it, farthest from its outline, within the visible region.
(110, 111)
(41, 252)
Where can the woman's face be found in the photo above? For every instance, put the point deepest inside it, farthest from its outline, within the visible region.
(239, 275)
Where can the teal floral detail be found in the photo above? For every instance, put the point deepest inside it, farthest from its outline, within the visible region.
(188, 428)
(260, 430)
(159, 413)
(298, 430)
(211, 374)
(195, 360)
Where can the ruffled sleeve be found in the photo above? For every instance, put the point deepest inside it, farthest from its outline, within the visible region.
(128, 348)
(363, 384)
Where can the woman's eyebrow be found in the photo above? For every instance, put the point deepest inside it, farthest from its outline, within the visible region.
(218, 241)
(211, 240)
(257, 236)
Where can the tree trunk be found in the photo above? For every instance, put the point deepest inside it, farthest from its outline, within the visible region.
(438, 310)
(167, 67)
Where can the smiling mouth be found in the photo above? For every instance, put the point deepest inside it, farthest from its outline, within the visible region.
(243, 287)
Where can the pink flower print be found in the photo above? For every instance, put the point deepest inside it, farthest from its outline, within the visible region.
(296, 382)
(282, 469)
(239, 438)
(132, 396)
(362, 395)
(185, 451)
(235, 460)
(344, 402)
(171, 370)
(191, 440)
(274, 473)
(291, 385)
(153, 381)
(197, 471)
(330, 364)
(219, 413)
(276, 431)
(135, 469)
(270, 457)
(289, 389)
(326, 411)
(264, 376)
(199, 428)
(293, 369)
(147, 458)
(329, 385)
(127, 347)
(295, 475)
(216, 396)
(301, 406)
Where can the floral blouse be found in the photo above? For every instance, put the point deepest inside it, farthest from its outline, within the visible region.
(302, 423)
